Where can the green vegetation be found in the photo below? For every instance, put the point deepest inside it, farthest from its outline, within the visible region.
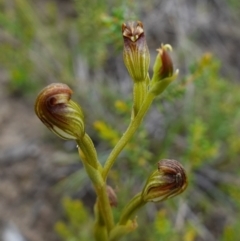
(198, 120)
(41, 43)
(199, 116)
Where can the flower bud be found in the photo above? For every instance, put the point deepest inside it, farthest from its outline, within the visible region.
(163, 73)
(163, 66)
(59, 113)
(112, 196)
(135, 52)
(168, 181)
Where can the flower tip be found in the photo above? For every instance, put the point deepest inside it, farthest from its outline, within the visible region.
(135, 51)
(164, 48)
(132, 30)
(167, 47)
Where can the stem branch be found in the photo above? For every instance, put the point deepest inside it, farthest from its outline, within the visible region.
(135, 203)
(134, 124)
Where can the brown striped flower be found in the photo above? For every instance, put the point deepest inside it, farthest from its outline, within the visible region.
(59, 113)
(163, 71)
(163, 66)
(168, 181)
(135, 52)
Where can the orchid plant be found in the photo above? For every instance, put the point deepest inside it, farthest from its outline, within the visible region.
(65, 118)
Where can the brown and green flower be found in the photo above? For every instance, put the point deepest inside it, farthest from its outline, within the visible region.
(168, 181)
(59, 113)
(135, 52)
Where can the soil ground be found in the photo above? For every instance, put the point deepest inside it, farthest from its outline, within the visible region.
(26, 172)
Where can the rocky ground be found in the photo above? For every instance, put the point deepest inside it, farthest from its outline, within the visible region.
(27, 202)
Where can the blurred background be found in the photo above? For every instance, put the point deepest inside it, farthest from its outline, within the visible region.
(44, 192)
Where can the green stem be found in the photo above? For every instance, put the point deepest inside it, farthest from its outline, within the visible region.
(134, 124)
(105, 208)
(93, 168)
(121, 230)
(87, 147)
(126, 225)
(100, 231)
(139, 94)
(131, 208)
(100, 188)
